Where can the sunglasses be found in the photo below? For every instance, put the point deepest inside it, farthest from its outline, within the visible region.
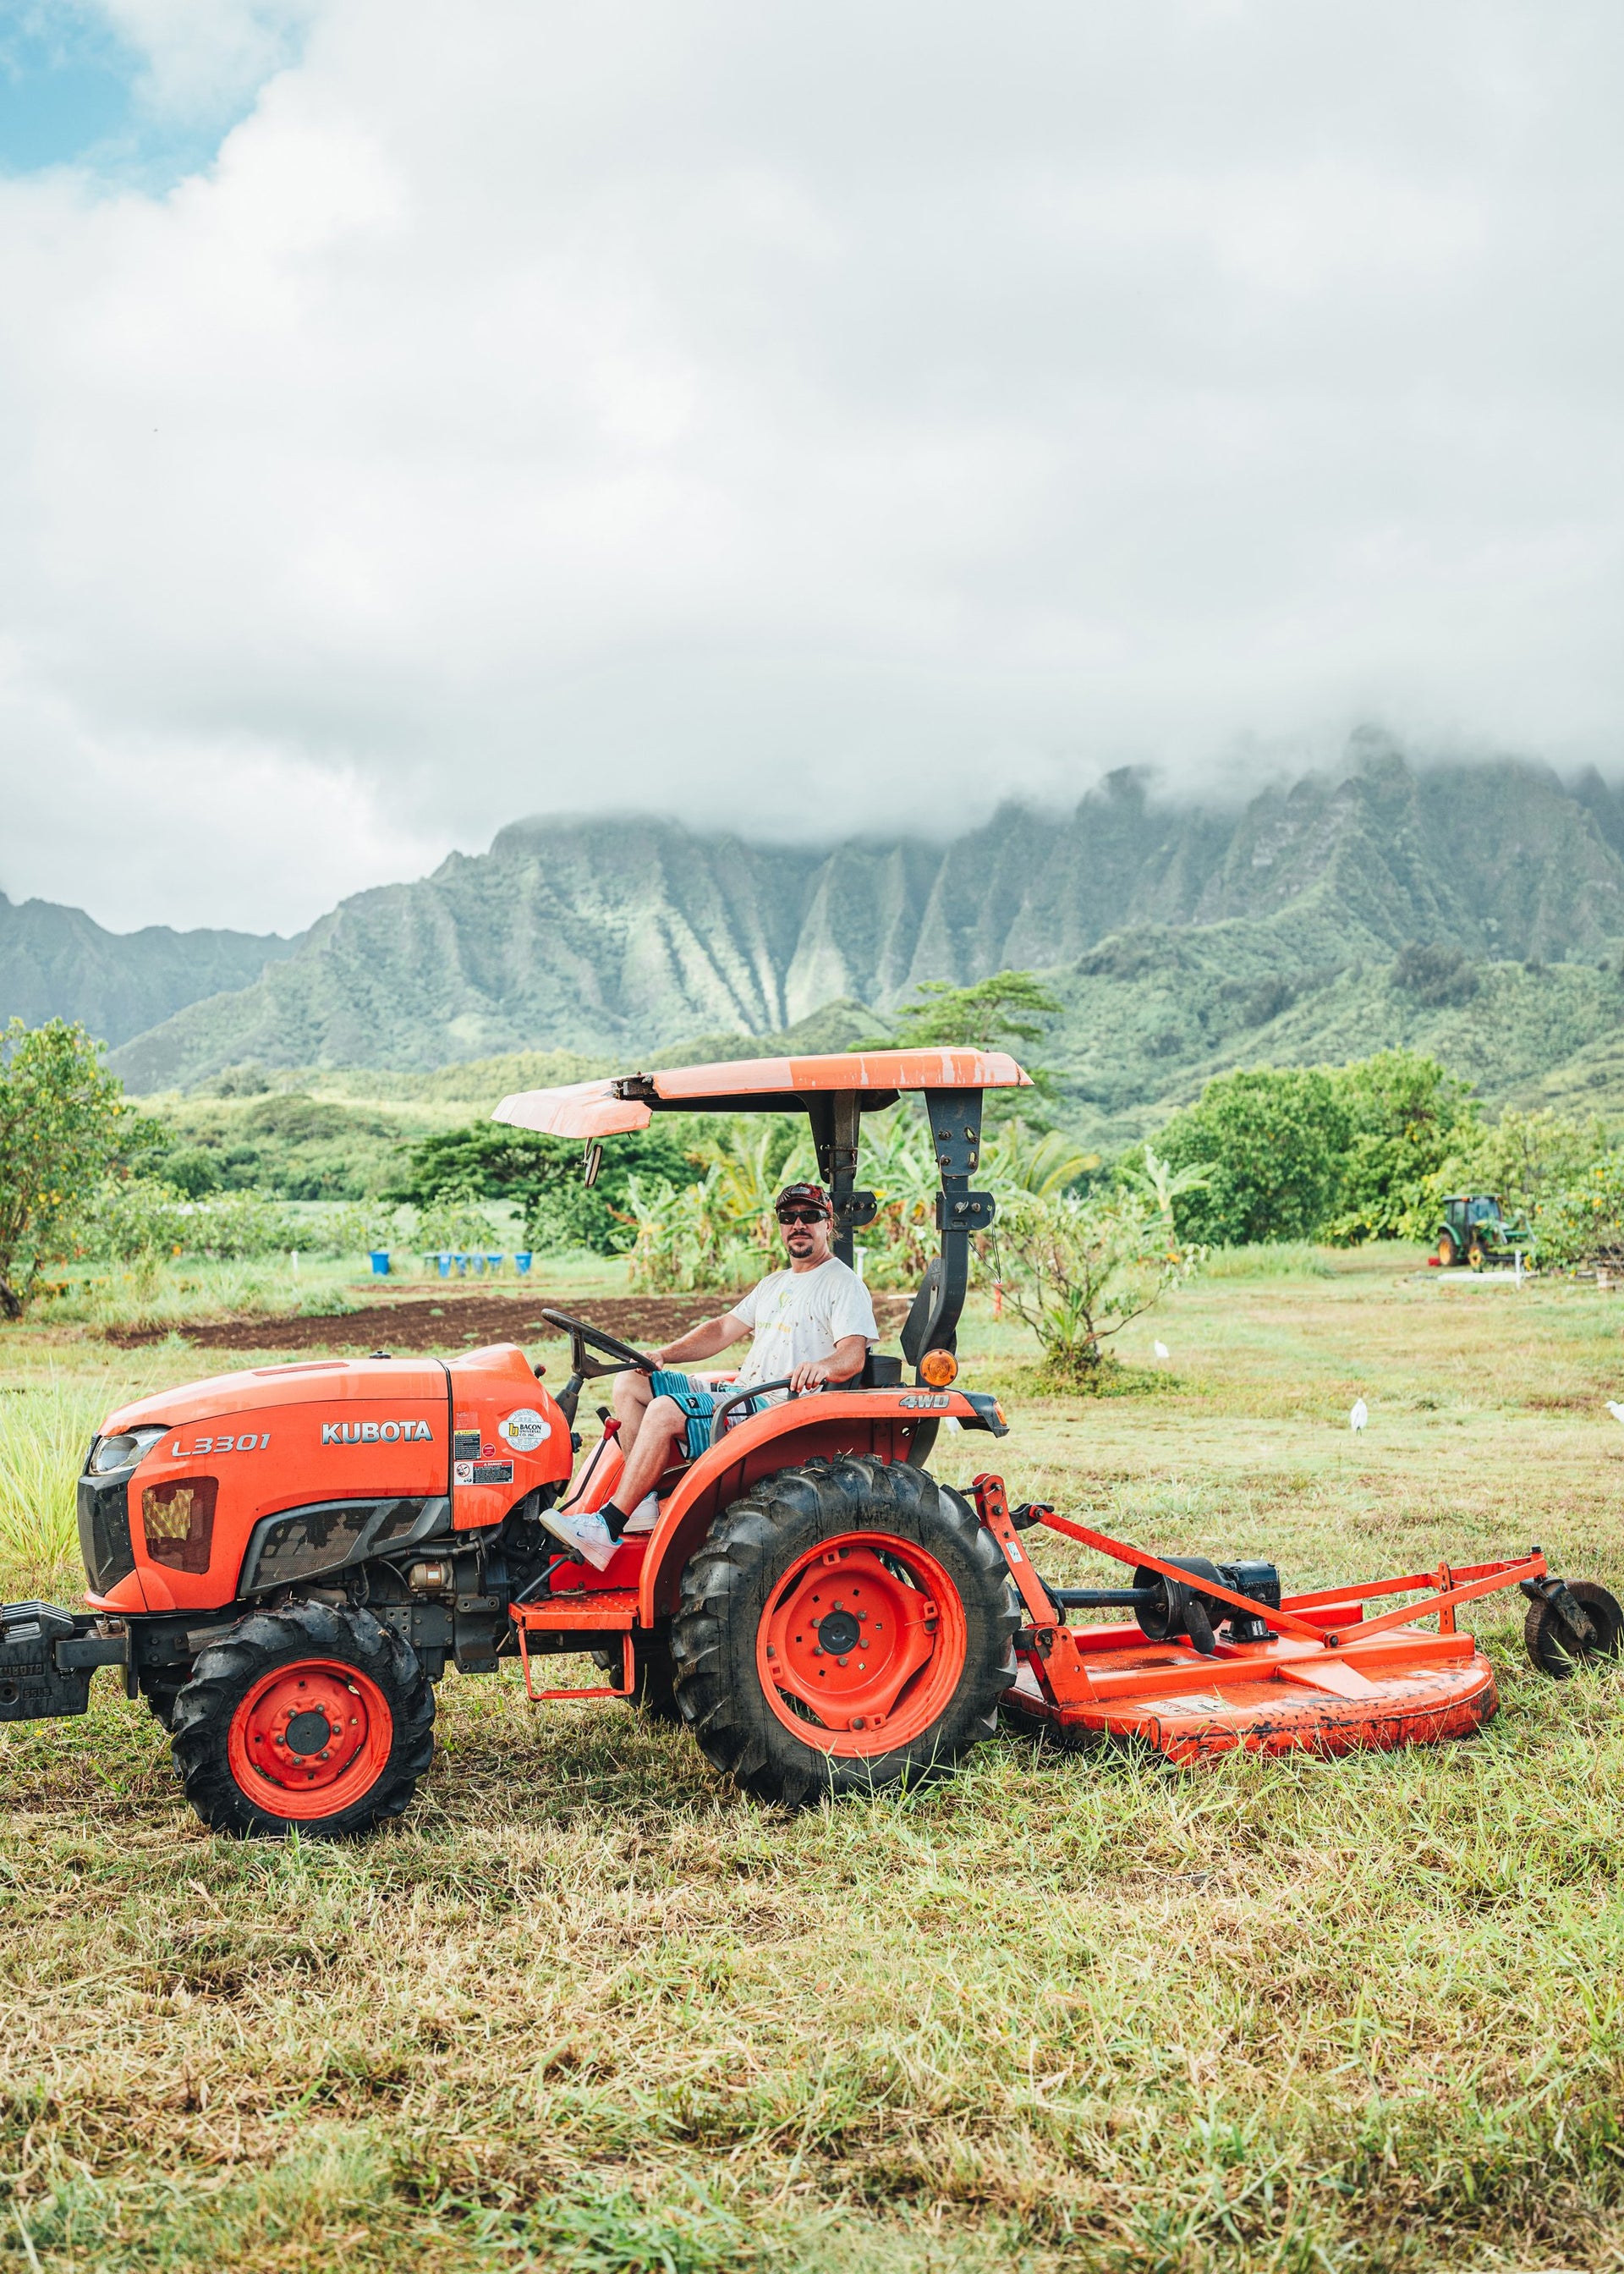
(800, 1215)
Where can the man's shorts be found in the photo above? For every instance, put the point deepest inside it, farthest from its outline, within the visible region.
(698, 1405)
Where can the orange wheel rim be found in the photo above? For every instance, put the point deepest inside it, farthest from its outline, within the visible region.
(862, 1645)
(309, 1739)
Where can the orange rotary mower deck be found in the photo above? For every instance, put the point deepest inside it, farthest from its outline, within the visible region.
(1322, 1677)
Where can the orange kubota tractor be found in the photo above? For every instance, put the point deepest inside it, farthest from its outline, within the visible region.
(283, 1560)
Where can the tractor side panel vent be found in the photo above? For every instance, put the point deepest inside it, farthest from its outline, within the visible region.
(312, 1539)
(327, 1536)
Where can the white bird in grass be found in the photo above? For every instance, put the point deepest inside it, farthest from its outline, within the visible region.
(1160, 1349)
(1360, 1414)
(1615, 1409)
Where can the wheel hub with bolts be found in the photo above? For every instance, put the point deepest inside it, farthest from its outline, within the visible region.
(838, 1632)
(308, 1728)
(855, 1642)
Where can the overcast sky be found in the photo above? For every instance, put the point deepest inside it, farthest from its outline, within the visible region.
(414, 416)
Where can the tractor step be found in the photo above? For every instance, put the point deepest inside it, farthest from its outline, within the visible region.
(610, 1610)
(607, 1607)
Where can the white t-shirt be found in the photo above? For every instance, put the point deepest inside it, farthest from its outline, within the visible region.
(799, 1316)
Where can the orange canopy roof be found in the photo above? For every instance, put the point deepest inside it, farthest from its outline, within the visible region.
(617, 1103)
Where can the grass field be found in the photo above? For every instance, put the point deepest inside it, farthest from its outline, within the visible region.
(587, 2009)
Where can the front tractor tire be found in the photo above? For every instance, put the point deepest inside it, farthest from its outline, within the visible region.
(844, 1628)
(306, 1718)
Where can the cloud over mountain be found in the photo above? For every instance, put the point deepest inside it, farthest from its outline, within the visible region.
(801, 422)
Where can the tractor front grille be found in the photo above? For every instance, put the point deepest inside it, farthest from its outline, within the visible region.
(104, 1530)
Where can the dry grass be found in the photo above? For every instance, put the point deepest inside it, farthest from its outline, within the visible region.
(587, 2009)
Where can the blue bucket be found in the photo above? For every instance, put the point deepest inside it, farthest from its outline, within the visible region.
(381, 1262)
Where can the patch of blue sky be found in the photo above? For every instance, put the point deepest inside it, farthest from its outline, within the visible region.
(73, 92)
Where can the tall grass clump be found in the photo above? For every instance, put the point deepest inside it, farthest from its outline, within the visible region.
(45, 1431)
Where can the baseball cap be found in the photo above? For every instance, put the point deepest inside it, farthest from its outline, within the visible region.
(803, 1196)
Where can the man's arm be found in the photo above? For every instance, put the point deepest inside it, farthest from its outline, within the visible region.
(703, 1341)
(844, 1361)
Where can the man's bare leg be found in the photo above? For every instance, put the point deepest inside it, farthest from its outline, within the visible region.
(631, 1397)
(662, 1428)
(652, 1430)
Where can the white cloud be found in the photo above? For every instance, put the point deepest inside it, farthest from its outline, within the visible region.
(816, 418)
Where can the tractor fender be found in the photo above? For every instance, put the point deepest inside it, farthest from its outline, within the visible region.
(825, 1423)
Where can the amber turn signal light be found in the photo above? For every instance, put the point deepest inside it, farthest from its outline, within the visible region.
(938, 1368)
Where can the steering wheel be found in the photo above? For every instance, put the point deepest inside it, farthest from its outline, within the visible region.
(621, 1357)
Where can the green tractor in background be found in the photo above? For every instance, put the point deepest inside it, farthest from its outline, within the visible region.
(1474, 1232)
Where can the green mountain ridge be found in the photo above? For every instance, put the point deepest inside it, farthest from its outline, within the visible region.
(1181, 940)
(58, 961)
(617, 937)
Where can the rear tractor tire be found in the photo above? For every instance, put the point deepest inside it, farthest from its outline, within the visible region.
(307, 1717)
(844, 1628)
(1449, 1254)
(1553, 1646)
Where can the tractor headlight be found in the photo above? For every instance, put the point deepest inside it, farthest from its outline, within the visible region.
(121, 1450)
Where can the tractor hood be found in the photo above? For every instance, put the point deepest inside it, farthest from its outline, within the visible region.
(256, 1388)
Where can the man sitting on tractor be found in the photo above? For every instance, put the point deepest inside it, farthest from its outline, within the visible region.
(812, 1324)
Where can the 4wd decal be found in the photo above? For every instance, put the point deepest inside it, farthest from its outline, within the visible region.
(932, 1402)
(376, 1433)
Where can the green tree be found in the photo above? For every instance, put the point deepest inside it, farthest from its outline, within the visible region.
(1271, 1144)
(487, 1160)
(1011, 1006)
(62, 1118)
(1405, 1115)
(1524, 1158)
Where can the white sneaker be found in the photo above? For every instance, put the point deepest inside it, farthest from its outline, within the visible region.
(645, 1517)
(584, 1530)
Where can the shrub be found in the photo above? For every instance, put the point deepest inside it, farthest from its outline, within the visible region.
(455, 1220)
(685, 1238)
(1078, 1269)
(1583, 1222)
(1438, 977)
(139, 1220)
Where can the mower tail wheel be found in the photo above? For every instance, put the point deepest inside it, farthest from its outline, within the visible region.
(846, 1627)
(307, 1716)
(1552, 1644)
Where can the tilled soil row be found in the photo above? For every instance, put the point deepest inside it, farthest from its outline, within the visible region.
(459, 1321)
